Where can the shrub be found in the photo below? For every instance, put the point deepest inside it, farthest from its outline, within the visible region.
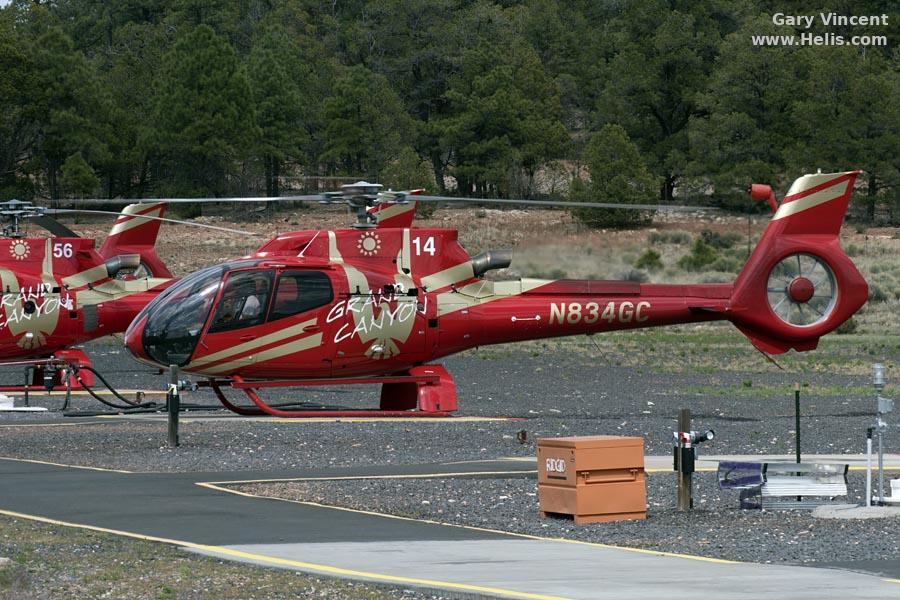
(876, 294)
(635, 275)
(848, 326)
(719, 241)
(187, 210)
(701, 255)
(726, 264)
(678, 238)
(618, 174)
(649, 260)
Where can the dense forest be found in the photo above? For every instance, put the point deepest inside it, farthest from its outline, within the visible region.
(656, 100)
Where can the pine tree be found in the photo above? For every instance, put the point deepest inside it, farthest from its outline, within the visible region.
(617, 174)
(204, 116)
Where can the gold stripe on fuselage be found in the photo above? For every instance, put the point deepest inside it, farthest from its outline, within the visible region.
(265, 340)
(306, 343)
(454, 274)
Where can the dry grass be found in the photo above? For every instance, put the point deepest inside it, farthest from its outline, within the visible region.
(58, 562)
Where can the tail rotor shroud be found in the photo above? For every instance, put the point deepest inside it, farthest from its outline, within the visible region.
(802, 290)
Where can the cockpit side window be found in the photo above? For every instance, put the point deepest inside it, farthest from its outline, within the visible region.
(300, 291)
(244, 300)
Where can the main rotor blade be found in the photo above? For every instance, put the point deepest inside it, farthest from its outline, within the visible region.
(560, 204)
(56, 211)
(101, 201)
(410, 197)
(53, 226)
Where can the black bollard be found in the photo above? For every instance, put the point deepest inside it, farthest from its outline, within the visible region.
(173, 403)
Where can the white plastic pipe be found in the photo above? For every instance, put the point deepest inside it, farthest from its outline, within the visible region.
(868, 471)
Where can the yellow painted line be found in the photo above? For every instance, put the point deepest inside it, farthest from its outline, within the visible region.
(54, 464)
(40, 393)
(302, 420)
(64, 424)
(274, 560)
(875, 468)
(361, 477)
(216, 486)
(448, 420)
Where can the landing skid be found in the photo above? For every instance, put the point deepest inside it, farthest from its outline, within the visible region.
(423, 391)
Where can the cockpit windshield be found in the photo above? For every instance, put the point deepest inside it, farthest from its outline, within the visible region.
(176, 317)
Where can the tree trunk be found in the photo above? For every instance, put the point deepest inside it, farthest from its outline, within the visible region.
(438, 166)
(52, 180)
(871, 198)
(667, 191)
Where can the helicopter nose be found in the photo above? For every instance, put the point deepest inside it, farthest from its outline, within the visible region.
(134, 339)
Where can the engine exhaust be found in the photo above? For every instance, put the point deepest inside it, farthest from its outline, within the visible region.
(491, 260)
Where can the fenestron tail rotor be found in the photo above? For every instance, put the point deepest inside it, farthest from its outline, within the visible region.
(802, 290)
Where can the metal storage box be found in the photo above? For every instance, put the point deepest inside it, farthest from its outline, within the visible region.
(593, 478)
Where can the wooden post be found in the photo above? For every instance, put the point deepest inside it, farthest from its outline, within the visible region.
(685, 502)
(797, 425)
(797, 417)
(174, 405)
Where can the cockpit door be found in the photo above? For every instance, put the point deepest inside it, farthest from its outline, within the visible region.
(237, 330)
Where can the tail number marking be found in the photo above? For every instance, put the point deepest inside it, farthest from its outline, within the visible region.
(426, 248)
(572, 313)
(62, 250)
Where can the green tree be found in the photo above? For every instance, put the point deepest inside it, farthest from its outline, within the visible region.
(504, 120)
(71, 107)
(617, 174)
(137, 59)
(409, 172)
(279, 105)
(743, 129)
(18, 86)
(666, 52)
(847, 117)
(365, 123)
(417, 45)
(78, 178)
(204, 115)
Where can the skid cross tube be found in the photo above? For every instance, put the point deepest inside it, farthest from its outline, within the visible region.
(249, 388)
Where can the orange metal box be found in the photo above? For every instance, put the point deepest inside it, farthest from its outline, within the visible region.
(593, 478)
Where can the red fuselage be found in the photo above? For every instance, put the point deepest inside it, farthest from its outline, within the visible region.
(355, 304)
(58, 292)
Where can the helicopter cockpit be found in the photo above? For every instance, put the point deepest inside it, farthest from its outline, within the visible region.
(173, 324)
(176, 318)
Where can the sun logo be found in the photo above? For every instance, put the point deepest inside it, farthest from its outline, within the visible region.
(369, 244)
(19, 249)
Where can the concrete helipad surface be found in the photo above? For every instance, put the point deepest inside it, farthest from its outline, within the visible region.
(710, 462)
(172, 508)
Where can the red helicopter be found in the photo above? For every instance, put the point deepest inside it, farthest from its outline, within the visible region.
(60, 291)
(377, 303)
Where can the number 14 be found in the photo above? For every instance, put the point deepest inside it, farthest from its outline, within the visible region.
(427, 247)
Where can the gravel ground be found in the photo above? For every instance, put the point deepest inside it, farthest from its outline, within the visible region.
(715, 528)
(556, 392)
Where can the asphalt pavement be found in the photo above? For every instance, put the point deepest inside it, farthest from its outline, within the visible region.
(194, 511)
